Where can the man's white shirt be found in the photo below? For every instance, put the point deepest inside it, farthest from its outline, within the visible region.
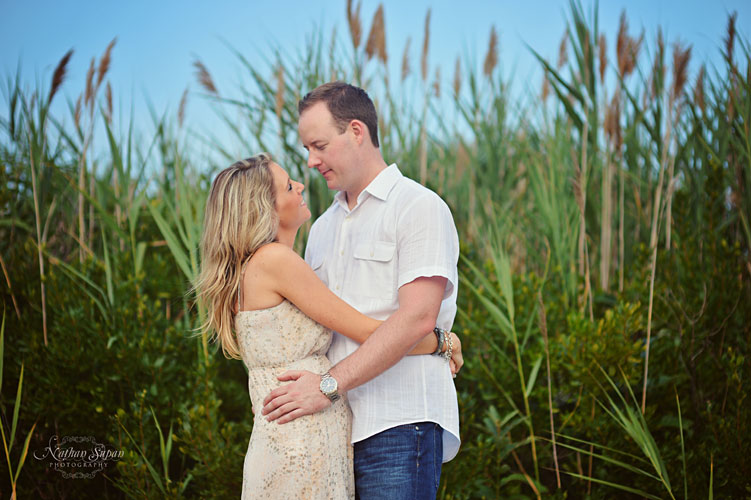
(398, 231)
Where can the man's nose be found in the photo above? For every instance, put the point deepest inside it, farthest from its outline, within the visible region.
(313, 160)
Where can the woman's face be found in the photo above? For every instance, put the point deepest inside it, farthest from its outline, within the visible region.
(291, 208)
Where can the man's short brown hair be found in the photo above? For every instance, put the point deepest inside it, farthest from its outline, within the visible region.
(345, 102)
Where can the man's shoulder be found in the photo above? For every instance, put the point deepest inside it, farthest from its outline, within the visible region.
(410, 193)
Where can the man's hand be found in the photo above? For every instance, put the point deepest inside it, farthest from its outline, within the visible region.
(301, 397)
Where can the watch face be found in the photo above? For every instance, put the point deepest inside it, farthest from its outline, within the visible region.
(328, 385)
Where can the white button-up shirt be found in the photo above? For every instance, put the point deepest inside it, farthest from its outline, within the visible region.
(398, 231)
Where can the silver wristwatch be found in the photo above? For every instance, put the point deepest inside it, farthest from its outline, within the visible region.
(329, 387)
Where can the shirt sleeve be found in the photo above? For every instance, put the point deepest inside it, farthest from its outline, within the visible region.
(427, 242)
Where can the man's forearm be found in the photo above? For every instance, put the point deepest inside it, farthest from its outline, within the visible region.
(383, 349)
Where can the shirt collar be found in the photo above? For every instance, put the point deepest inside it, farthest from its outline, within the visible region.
(380, 187)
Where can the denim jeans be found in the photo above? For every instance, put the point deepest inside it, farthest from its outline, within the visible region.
(403, 462)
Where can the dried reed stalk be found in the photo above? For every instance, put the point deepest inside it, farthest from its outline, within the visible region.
(530, 482)
(89, 103)
(681, 58)
(58, 77)
(602, 51)
(612, 133)
(10, 288)
(591, 452)
(580, 194)
(653, 240)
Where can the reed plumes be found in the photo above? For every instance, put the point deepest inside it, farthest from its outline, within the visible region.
(545, 92)
(657, 79)
(457, 85)
(681, 58)
(602, 52)
(563, 51)
(405, 60)
(627, 48)
(425, 47)
(59, 75)
(90, 83)
(612, 124)
(354, 24)
(182, 107)
(204, 78)
(104, 62)
(108, 102)
(77, 112)
(730, 38)
(376, 44)
(491, 57)
(699, 89)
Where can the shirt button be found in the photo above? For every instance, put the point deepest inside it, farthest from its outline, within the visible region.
(371, 254)
(341, 253)
(337, 287)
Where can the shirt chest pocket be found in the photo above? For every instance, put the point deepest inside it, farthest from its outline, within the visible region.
(374, 270)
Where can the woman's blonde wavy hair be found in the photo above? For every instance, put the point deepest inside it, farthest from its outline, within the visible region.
(240, 217)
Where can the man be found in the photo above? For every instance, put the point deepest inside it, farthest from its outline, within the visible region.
(389, 247)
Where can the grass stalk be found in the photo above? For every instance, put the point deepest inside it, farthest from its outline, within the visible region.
(544, 330)
(653, 240)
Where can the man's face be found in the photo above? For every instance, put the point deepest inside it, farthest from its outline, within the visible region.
(329, 151)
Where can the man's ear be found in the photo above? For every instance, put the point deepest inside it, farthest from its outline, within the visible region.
(359, 129)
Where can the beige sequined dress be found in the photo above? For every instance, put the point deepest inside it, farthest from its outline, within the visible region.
(310, 457)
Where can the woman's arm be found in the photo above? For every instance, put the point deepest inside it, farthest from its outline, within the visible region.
(291, 277)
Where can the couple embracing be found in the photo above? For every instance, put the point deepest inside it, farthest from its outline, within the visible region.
(350, 345)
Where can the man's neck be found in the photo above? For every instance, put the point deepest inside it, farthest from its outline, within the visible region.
(351, 195)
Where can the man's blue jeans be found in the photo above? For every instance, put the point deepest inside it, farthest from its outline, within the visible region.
(403, 462)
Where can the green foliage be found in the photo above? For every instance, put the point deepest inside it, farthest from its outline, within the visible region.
(98, 249)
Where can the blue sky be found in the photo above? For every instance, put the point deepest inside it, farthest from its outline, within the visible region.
(157, 42)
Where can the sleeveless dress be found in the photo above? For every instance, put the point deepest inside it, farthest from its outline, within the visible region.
(310, 457)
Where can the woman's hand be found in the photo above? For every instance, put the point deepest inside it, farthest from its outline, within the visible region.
(457, 360)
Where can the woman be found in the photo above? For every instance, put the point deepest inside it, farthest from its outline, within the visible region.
(282, 315)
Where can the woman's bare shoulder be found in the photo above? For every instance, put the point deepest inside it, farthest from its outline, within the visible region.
(271, 255)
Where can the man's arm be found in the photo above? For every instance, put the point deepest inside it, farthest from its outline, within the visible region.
(419, 303)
